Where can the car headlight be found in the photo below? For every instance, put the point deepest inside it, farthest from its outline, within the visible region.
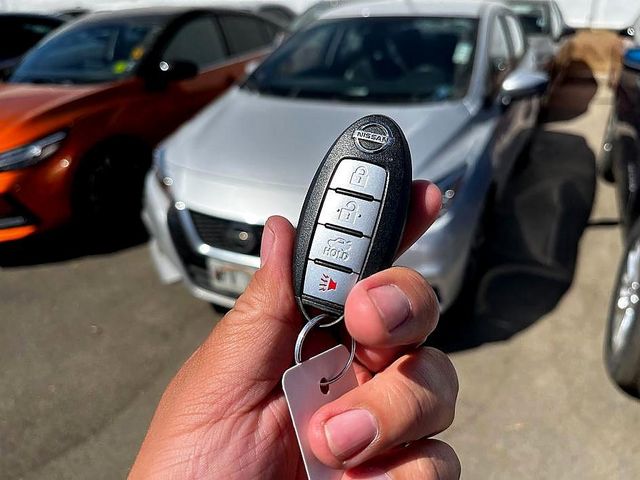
(450, 187)
(32, 153)
(160, 169)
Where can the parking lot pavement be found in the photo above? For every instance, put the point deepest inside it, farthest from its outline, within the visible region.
(89, 338)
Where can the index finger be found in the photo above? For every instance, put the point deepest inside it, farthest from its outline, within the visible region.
(426, 201)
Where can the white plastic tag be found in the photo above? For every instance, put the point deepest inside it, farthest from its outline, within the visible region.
(301, 385)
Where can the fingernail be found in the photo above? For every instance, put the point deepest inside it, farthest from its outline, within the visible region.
(350, 433)
(268, 239)
(393, 305)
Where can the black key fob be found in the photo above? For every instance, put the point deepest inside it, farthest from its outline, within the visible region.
(354, 216)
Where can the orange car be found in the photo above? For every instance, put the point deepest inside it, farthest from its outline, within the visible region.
(81, 114)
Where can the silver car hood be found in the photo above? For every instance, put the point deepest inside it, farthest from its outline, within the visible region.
(249, 156)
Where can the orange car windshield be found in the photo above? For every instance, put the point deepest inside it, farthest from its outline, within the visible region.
(94, 53)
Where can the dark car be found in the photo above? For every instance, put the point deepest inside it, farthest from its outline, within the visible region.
(19, 32)
(622, 343)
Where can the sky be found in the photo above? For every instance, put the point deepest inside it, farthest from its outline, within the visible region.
(578, 13)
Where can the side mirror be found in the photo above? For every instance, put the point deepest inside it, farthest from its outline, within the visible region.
(631, 59)
(162, 73)
(628, 32)
(522, 84)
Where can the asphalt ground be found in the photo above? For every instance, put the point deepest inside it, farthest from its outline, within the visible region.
(89, 338)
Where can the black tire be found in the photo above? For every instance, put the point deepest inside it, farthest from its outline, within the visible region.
(622, 339)
(108, 186)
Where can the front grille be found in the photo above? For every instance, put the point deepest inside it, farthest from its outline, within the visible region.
(228, 235)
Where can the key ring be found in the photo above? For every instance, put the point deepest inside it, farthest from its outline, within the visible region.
(310, 325)
(306, 315)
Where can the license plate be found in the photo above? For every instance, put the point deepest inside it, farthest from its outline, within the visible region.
(228, 278)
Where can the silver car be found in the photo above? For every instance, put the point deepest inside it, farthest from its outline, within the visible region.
(547, 33)
(457, 77)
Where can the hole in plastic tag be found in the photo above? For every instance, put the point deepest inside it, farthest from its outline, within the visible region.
(302, 389)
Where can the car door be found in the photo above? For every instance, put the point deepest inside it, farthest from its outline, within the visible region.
(524, 110)
(509, 128)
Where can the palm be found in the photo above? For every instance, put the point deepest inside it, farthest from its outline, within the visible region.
(263, 444)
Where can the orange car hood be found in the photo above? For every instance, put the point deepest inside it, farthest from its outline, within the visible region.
(27, 111)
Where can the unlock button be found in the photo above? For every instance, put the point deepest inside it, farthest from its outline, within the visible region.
(349, 212)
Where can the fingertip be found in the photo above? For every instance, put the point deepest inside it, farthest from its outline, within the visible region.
(433, 200)
(277, 240)
(362, 318)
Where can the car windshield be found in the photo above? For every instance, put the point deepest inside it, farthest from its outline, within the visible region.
(92, 53)
(534, 16)
(404, 60)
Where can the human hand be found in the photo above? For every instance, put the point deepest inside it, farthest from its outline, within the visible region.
(224, 414)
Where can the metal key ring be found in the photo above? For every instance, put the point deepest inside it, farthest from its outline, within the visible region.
(324, 325)
(303, 336)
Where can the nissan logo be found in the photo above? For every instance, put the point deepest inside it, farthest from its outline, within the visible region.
(372, 138)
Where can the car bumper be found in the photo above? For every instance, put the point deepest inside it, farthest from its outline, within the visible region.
(177, 251)
(34, 199)
(179, 254)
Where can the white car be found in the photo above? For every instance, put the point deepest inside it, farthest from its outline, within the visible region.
(456, 76)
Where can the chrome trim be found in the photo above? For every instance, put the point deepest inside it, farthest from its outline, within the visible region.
(198, 245)
(13, 222)
(627, 302)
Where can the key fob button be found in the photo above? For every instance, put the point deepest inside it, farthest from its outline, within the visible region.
(349, 212)
(328, 284)
(360, 177)
(339, 248)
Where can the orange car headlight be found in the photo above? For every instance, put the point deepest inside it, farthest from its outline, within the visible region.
(32, 153)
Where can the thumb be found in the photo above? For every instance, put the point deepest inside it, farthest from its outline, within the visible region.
(240, 363)
(261, 330)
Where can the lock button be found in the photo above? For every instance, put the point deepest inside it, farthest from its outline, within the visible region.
(349, 212)
(360, 177)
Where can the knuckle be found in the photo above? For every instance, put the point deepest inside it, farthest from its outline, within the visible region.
(439, 462)
(443, 370)
(427, 389)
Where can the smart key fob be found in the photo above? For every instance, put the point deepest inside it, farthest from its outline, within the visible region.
(354, 215)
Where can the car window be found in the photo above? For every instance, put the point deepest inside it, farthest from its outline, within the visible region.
(518, 41)
(199, 41)
(277, 14)
(244, 33)
(535, 16)
(394, 60)
(89, 53)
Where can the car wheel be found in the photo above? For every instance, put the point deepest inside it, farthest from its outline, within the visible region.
(108, 187)
(622, 348)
